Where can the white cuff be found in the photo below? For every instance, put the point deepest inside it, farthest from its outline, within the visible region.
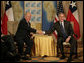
(43, 32)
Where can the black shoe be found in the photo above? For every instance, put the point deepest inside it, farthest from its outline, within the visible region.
(26, 57)
(44, 56)
(69, 59)
(62, 57)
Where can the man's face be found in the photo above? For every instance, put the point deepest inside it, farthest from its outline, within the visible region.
(61, 17)
(28, 17)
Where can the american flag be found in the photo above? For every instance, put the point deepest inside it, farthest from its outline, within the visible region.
(59, 9)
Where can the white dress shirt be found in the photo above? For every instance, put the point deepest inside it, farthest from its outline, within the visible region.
(62, 23)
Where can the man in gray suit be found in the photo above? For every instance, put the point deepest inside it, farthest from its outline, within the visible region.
(65, 34)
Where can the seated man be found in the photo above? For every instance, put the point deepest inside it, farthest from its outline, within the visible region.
(23, 35)
(65, 34)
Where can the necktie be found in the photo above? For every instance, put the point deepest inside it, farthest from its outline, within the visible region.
(28, 24)
(63, 30)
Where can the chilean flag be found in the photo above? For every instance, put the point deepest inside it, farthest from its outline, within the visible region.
(73, 16)
(8, 16)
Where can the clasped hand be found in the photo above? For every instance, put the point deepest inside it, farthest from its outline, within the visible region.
(40, 32)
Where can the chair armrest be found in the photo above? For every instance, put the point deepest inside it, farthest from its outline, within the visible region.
(64, 43)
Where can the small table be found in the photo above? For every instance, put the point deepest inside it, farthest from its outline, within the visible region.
(44, 45)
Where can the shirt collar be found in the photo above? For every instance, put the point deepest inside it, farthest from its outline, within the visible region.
(61, 22)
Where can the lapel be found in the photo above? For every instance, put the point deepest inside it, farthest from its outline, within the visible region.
(65, 25)
(27, 24)
(59, 23)
(59, 28)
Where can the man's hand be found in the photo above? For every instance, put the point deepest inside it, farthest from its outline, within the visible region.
(2, 35)
(67, 40)
(32, 35)
(40, 32)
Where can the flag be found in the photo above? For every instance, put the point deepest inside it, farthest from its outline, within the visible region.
(73, 16)
(1, 24)
(8, 16)
(59, 9)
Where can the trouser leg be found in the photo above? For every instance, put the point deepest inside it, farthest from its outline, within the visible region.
(73, 49)
(29, 44)
(20, 46)
(60, 44)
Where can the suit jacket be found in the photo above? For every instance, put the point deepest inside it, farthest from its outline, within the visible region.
(24, 30)
(56, 26)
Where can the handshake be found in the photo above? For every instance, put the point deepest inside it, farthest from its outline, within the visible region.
(40, 32)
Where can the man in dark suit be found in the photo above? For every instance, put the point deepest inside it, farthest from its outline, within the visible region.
(23, 35)
(65, 34)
